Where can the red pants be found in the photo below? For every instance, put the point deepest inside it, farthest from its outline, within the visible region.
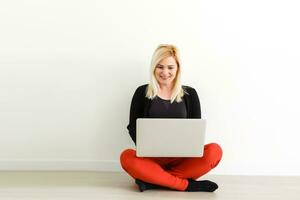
(170, 172)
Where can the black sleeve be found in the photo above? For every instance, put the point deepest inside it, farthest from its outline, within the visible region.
(196, 108)
(136, 111)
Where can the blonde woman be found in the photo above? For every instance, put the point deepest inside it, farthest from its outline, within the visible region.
(165, 97)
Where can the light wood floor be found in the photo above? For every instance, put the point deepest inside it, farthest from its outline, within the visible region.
(116, 185)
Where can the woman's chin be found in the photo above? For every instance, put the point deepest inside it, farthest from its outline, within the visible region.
(165, 83)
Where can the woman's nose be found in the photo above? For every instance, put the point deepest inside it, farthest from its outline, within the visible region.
(165, 71)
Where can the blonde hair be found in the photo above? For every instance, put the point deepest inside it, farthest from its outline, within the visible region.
(163, 51)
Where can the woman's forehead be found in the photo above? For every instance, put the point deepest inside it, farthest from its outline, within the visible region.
(170, 60)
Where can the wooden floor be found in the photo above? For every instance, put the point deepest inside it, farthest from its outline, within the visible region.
(116, 185)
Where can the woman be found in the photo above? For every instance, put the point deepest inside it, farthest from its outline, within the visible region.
(165, 97)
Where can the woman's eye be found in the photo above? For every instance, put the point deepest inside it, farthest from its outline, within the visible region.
(170, 68)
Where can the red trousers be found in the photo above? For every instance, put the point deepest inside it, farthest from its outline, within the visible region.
(170, 172)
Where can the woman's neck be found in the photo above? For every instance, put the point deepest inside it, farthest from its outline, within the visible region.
(165, 91)
(166, 87)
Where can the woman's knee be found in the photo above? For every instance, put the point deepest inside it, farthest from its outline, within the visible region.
(214, 152)
(126, 156)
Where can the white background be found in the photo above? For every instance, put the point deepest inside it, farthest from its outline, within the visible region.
(68, 70)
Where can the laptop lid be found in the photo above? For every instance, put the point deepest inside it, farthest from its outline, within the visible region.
(174, 137)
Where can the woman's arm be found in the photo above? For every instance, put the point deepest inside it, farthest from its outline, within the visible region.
(196, 108)
(136, 111)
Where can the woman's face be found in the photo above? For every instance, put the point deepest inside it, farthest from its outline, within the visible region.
(165, 71)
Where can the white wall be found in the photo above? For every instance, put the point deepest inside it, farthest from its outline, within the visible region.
(68, 70)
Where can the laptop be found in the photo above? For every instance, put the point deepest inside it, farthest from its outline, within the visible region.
(170, 137)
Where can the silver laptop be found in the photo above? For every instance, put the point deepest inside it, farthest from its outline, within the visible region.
(161, 137)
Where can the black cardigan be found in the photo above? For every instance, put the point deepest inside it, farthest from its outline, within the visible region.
(140, 105)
